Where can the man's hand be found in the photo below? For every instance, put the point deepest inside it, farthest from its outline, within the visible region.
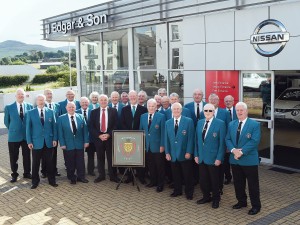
(63, 147)
(196, 160)
(237, 153)
(187, 155)
(86, 145)
(161, 149)
(30, 146)
(104, 137)
(54, 143)
(168, 157)
(217, 162)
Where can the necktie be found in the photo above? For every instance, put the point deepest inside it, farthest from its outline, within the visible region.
(176, 126)
(84, 115)
(42, 117)
(150, 121)
(204, 130)
(198, 112)
(50, 106)
(103, 121)
(115, 106)
(21, 112)
(229, 110)
(238, 132)
(73, 125)
(133, 110)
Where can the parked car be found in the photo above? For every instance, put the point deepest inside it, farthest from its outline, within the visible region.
(253, 80)
(287, 106)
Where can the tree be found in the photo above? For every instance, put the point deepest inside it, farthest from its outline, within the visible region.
(40, 54)
(73, 54)
(6, 61)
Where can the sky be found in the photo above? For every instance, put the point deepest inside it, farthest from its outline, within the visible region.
(20, 20)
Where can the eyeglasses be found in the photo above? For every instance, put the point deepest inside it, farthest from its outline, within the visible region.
(206, 110)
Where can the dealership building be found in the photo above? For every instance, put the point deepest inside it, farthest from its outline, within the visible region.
(248, 49)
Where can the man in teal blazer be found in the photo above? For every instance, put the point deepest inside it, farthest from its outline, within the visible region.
(179, 147)
(174, 97)
(209, 154)
(242, 139)
(153, 123)
(15, 121)
(73, 138)
(41, 137)
(94, 98)
(70, 97)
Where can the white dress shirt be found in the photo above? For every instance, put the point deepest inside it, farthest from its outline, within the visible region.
(18, 107)
(200, 107)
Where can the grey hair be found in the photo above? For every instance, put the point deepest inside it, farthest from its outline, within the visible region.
(144, 93)
(213, 95)
(21, 90)
(176, 104)
(174, 95)
(84, 98)
(151, 100)
(243, 104)
(115, 92)
(41, 95)
(94, 93)
(162, 90)
(103, 95)
(209, 105)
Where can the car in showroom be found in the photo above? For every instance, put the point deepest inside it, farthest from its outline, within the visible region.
(253, 80)
(287, 106)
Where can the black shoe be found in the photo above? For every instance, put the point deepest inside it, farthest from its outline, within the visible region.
(227, 182)
(54, 184)
(73, 182)
(174, 194)
(34, 186)
(239, 205)
(82, 180)
(150, 185)
(253, 211)
(203, 201)
(57, 174)
(99, 179)
(159, 188)
(92, 174)
(43, 175)
(215, 204)
(28, 176)
(13, 180)
(115, 179)
(189, 197)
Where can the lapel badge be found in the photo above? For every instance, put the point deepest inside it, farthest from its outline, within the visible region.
(248, 135)
(50, 120)
(215, 134)
(184, 132)
(81, 125)
(156, 126)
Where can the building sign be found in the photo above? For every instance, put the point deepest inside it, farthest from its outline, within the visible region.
(81, 22)
(276, 38)
(222, 83)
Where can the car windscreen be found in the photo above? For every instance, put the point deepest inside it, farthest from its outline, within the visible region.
(291, 95)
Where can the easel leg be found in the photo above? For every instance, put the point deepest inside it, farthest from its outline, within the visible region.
(122, 178)
(134, 180)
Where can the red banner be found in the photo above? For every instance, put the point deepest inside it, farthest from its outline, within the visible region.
(222, 83)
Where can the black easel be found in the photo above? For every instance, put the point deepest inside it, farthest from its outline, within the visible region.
(130, 170)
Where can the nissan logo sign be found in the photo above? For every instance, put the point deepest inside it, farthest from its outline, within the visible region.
(277, 37)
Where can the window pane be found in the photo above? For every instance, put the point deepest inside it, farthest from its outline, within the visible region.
(175, 45)
(176, 82)
(117, 80)
(90, 52)
(90, 81)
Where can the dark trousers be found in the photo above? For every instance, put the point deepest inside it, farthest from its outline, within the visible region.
(90, 151)
(53, 160)
(240, 175)
(13, 148)
(102, 149)
(168, 171)
(209, 180)
(185, 168)
(74, 160)
(156, 165)
(45, 154)
(226, 166)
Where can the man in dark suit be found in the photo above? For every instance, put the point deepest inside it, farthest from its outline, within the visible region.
(209, 154)
(130, 120)
(102, 123)
(55, 107)
(242, 139)
(124, 98)
(229, 103)
(196, 107)
(153, 123)
(85, 111)
(70, 97)
(73, 138)
(179, 147)
(15, 121)
(41, 134)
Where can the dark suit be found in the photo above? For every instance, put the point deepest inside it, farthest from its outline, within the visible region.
(17, 137)
(133, 123)
(103, 147)
(119, 109)
(246, 167)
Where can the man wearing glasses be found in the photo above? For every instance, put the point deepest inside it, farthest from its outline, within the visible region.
(209, 154)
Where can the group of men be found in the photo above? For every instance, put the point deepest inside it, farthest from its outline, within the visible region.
(184, 145)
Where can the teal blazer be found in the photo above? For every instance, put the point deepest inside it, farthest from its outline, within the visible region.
(65, 134)
(191, 106)
(248, 142)
(55, 108)
(36, 133)
(16, 127)
(155, 137)
(213, 147)
(63, 104)
(91, 106)
(185, 112)
(177, 146)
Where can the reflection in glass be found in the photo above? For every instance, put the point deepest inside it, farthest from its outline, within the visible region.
(175, 46)
(90, 52)
(90, 81)
(116, 81)
(264, 145)
(176, 82)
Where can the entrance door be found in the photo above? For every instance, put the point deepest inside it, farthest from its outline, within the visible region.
(257, 92)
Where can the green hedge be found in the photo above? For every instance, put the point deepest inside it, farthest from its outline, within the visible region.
(44, 78)
(7, 81)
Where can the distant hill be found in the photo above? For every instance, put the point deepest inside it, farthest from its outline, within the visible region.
(12, 48)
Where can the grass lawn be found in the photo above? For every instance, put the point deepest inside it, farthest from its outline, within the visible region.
(36, 87)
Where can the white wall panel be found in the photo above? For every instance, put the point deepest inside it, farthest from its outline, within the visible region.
(194, 57)
(246, 58)
(220, 56)
(193, 30)
(219, 27)
(193, 80)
